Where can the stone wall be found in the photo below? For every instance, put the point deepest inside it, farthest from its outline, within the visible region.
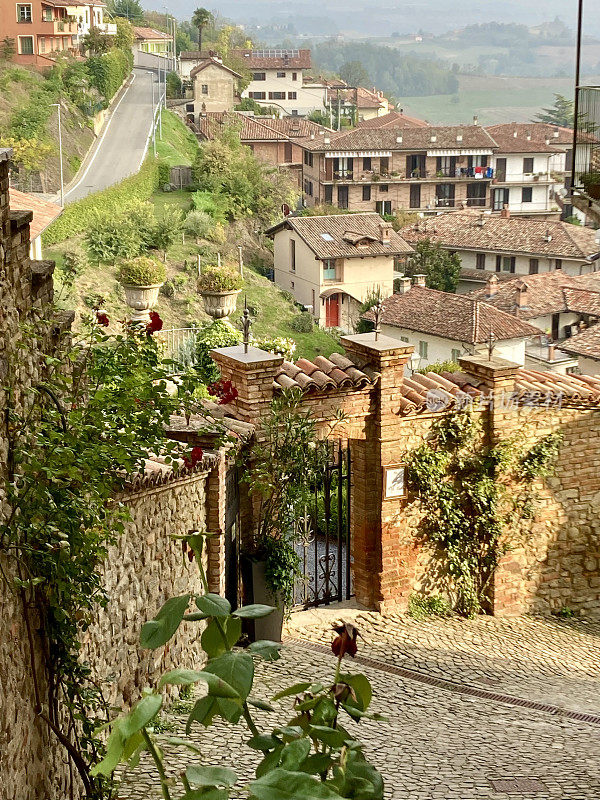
(144, 568)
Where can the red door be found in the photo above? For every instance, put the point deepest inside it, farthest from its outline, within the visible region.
(332, 312)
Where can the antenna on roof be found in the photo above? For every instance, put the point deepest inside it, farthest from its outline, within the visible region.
(246, 323)
(490, 344)
(378, 313)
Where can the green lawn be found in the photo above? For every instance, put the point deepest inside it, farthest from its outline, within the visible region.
(178, 146)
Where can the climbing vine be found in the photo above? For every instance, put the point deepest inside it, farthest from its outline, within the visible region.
(474, 496)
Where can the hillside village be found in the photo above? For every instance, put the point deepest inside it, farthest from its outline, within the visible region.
(301, 442)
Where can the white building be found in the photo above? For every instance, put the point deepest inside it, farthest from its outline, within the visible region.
(443, 327)
(278, 80)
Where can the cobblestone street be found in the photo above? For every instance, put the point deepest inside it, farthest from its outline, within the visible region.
(469, 739)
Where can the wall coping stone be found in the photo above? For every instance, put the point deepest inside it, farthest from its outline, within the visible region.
(383, 344)
(253, 359)
(494, 367)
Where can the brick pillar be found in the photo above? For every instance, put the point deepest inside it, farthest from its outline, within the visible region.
(499, 376)
(215, 523)
(252, 374)
(377, 553)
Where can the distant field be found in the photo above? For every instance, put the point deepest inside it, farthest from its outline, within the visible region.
(493, 99)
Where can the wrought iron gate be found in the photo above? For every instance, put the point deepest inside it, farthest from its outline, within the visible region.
(323, 536)
(232, 537)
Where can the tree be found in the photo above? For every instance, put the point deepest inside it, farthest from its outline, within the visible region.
(354, 74)
(7, 49)
(128, 9)
(124, 38)
(96, 43)
(442, 269)
(561, 113)
(200, 19)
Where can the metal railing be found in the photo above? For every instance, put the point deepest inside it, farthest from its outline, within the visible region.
(586, 172)
(178, 345)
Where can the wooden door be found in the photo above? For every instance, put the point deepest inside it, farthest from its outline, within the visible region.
(332, 312)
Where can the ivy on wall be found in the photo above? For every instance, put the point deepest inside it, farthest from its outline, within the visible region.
(474, 497)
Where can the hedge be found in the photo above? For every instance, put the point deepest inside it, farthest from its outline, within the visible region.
(78, 216)
(108, 71)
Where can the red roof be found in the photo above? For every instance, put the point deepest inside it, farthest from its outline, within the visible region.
(149, 33)
(395, 119)
(274, 59)
(44, 212)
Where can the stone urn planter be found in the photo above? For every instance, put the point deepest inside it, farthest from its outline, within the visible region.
(219, 304)
(141, 299)
(141, 279)
(271, 626)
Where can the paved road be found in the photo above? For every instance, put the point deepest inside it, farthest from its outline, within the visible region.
(121, 147)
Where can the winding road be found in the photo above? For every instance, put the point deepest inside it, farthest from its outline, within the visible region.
(121, 147)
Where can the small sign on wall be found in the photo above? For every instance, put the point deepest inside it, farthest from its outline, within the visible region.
(394, 481)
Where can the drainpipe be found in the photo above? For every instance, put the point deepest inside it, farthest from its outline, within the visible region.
(577, 78)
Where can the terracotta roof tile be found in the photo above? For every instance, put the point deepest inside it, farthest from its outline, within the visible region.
(255, 129)
(464, 231)
(324, 374)
(149, 33)
(459, 317)
(207, 62)
(586, 344)
(328, 236)
(415, 138)
(394, 119)
(44, 212)
(260, 59)
(538, 133)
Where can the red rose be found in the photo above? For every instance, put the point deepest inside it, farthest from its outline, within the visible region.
(224, 391)
(345, 641)
(194, 457)
(155, 323)
(102, 318)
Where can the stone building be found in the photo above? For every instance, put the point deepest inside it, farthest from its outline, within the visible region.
(215, 86)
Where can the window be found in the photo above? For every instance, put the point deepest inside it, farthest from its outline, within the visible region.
(26, 45)
(476, 194)
(534, 266)
(259, 76)
(24, 13)
(366, 192)
(288, 153)
(505, 263)
(329, 195)
(383, 207)
(415, 195)
(308, 158)
(281, 74)
(292, 284)
(367, 164)
(501, 199)
(329, 269)
(308, 187)
(455, 354)
(257, 95)
(480, 260)
(384, 165)
(558, 263)
(46, 14)
(423, 349)
(276, 95)
(292, 95)
(327, 237)
(527, 194)
(204, 88)
(294, 76)
(383, 187)
(528, 165)
(293, 255)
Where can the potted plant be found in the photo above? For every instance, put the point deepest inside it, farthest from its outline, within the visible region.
(280, 469)
(591, 184)
(219, 288)
(141, 279)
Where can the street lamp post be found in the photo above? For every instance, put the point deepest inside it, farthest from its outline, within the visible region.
(60, 155)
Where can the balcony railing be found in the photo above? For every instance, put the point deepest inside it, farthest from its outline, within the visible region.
(445, 202)
(587, 144)
(343, 175)
(480, 202)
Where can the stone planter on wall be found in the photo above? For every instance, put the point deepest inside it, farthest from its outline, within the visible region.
(141, 299)
(220, 304)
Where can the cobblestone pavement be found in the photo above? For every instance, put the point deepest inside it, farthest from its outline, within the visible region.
(440, 744)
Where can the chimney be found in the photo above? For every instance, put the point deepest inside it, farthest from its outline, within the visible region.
(398, 139)
(404, 284)
(522, 296)
(327, 140)
(556, 133)
(491, 286)
(551, 352)
(459, 137)
(505, 213)
(528, 136)
(475, 119)
(384, 231)
(420, 279)
(433, 137)
(515, 133)
(548, 236)
(481, 220)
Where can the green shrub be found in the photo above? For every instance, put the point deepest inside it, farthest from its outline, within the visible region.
(211, 204)
(112, 237)
(108, 71)
(279, 345)
(439, 367)
(164, 174)
(165, 229)
(215, 279)
(420, 606)
(218, 235)
(198, 224)
(302, 323)
(219, 333)
(142, 271)
(80, 216)
(173, 85)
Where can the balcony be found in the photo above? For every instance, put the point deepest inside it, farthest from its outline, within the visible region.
(586, 185)
(59, 26)
(445, 202)
(109, 28)
(478, 202)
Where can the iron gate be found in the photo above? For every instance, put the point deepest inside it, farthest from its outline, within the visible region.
(232, 537)
(323, 536)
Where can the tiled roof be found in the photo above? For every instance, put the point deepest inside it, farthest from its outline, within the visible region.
(531, 387)
(340, 231)
(482, 275)
(258, 128)
(322, 374)
(538, 133)
(149, 33)
(546, 293)
(257, 59)
(416, 138)
(157, 473)
(464, 231)
(458, 317)
(207, 62)
(365, 97)
(44, 212)
(394, 119)
(586, 343)
(196, 55)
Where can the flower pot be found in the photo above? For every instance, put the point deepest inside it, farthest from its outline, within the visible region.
(220, 304)
(141, 299)
(269, 627)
